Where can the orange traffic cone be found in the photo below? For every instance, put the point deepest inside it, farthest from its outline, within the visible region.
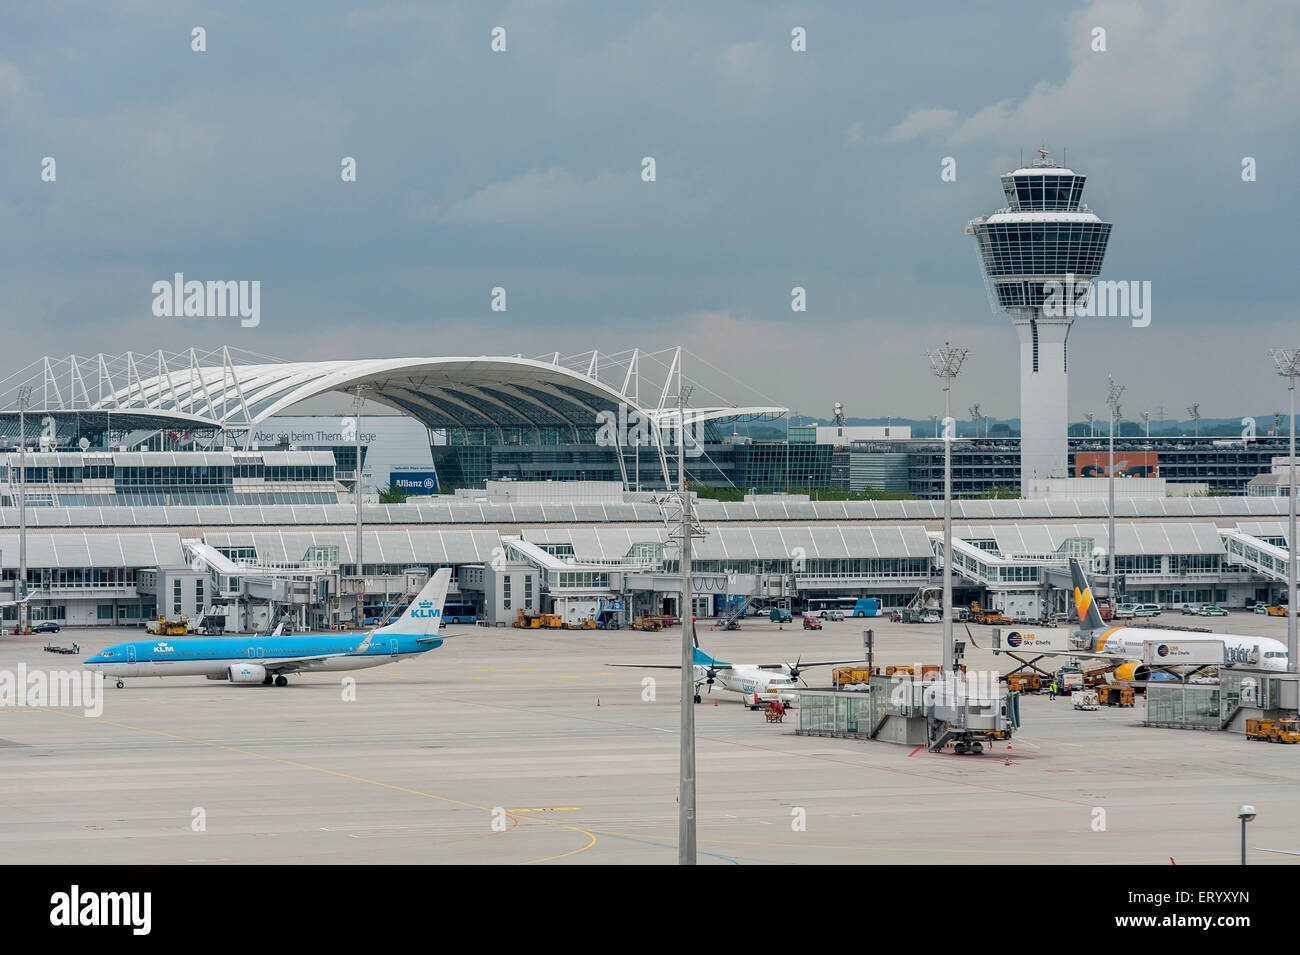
(598, 701)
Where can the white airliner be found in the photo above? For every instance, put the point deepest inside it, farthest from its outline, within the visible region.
(767, 680)
(1124, 646)
(270, 659)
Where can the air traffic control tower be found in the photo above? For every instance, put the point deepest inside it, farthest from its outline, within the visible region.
(1039, 256)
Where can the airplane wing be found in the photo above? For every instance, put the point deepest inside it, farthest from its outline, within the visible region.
(815, 663)
(648, 666)
(295, 664)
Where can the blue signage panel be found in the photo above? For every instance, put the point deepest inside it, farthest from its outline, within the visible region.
(414, 482)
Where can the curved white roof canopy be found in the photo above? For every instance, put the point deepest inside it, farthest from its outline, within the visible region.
(448, 392)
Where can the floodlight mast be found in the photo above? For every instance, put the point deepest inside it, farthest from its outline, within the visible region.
(1287, 361)
(20, 592)
(946, 363)
(361, 567)
(1113, 393)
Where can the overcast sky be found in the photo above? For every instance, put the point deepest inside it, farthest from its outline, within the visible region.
(775, 169)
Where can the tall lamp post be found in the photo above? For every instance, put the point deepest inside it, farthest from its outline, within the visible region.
(1113, 392)
(686, 823)
(946, 363)
(1287, 361)
(361, 567)
(20, 593)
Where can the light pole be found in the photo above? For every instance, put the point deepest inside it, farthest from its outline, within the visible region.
(361, 566)
(1245, 814)
(1113, 392)
(1146, 418)
(686, 823)
(1288, 366)
(1092, 426)
(946, 363)
(24, 396)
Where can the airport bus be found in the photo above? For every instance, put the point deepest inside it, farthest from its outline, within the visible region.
(846, 606)
(459, 613)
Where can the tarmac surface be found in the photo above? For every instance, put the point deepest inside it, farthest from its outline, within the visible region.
(516, 747)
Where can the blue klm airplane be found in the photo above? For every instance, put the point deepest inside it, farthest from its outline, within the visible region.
(268, 660)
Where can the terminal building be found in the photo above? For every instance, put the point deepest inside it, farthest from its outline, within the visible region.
(128, 517)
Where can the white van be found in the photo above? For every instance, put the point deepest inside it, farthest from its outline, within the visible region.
(1146, 610)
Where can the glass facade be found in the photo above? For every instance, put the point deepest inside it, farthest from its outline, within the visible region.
(1043, 192)
(1042, 248)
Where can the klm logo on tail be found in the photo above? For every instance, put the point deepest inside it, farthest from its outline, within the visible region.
(425, 608)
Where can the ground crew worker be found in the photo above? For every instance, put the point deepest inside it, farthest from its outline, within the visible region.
(1051, 690)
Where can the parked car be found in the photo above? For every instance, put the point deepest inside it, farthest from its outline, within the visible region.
(931, 616)
(45, 626)
(830, 614)
(1210, 610)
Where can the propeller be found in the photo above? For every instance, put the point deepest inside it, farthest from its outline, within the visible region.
(793, 670)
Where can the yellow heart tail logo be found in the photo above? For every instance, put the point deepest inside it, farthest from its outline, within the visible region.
(1082, 602)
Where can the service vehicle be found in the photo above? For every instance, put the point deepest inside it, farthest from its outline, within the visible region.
(1274, 731)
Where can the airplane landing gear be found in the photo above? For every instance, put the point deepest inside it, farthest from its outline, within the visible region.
(269, 680)
(120, 684)
(281, 680)
(697, 698)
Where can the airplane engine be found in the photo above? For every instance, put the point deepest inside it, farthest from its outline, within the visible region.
(247, 673)
(1132, 673)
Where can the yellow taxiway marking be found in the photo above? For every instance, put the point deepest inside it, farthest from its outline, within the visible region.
(551, 809)
(339, 774)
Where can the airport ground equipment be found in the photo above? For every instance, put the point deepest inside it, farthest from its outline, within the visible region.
(212, 624)
(739, 609)
(1274, 731)
(772, 715)
(587, 624)
(1096, 677)
(648, 622)
(1110, 695)
(1069, 680)
(1024, 682)
(169, 628)
(847, 676)
(1276, 611)
(525, 620)
(966, 713)
(1085, 700)
(51, 648)
(990, 618)
(608, 620)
